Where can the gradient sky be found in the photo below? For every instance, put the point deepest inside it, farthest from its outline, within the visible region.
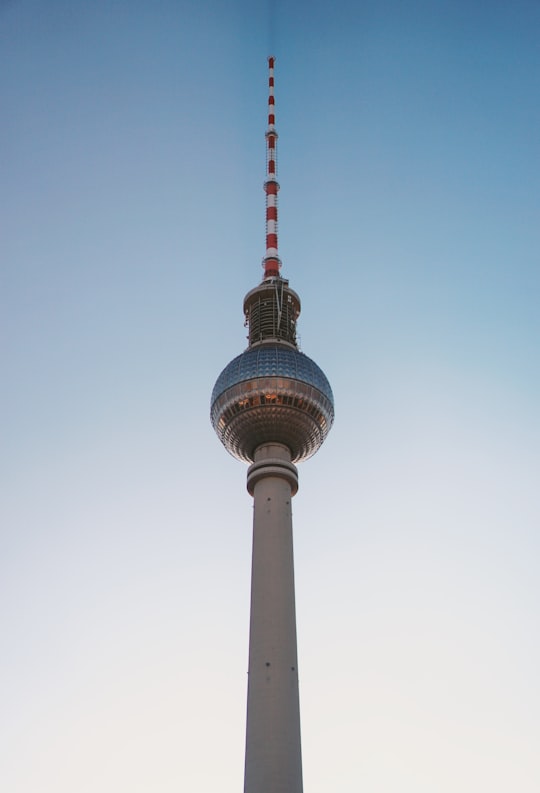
(132, 160)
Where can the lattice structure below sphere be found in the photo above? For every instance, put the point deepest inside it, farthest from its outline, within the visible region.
(270, 394)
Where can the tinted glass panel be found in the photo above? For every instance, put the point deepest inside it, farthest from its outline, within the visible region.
(271, 361)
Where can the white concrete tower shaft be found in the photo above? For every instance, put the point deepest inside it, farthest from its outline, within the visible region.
(273, 750)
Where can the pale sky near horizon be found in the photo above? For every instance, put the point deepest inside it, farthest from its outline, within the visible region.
(132, 161)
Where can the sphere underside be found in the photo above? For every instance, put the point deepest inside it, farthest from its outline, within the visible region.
(272, 393)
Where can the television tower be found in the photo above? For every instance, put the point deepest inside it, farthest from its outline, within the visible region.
(272, 407)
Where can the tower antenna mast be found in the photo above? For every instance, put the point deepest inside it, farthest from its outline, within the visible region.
(271, 261)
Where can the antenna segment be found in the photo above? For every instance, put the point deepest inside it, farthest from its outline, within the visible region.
(271, 261)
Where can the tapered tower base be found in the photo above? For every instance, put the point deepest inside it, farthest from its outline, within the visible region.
(273, 749)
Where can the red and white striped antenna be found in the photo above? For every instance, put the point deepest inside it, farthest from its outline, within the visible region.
(271, 261)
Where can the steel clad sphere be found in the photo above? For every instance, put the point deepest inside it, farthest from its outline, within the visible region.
(272, 393)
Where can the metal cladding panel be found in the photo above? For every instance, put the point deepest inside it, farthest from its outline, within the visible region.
(272, 360)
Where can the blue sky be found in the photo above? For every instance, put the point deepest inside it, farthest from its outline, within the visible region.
(132, 157)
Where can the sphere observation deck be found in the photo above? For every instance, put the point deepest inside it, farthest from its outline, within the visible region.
(272, 393)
